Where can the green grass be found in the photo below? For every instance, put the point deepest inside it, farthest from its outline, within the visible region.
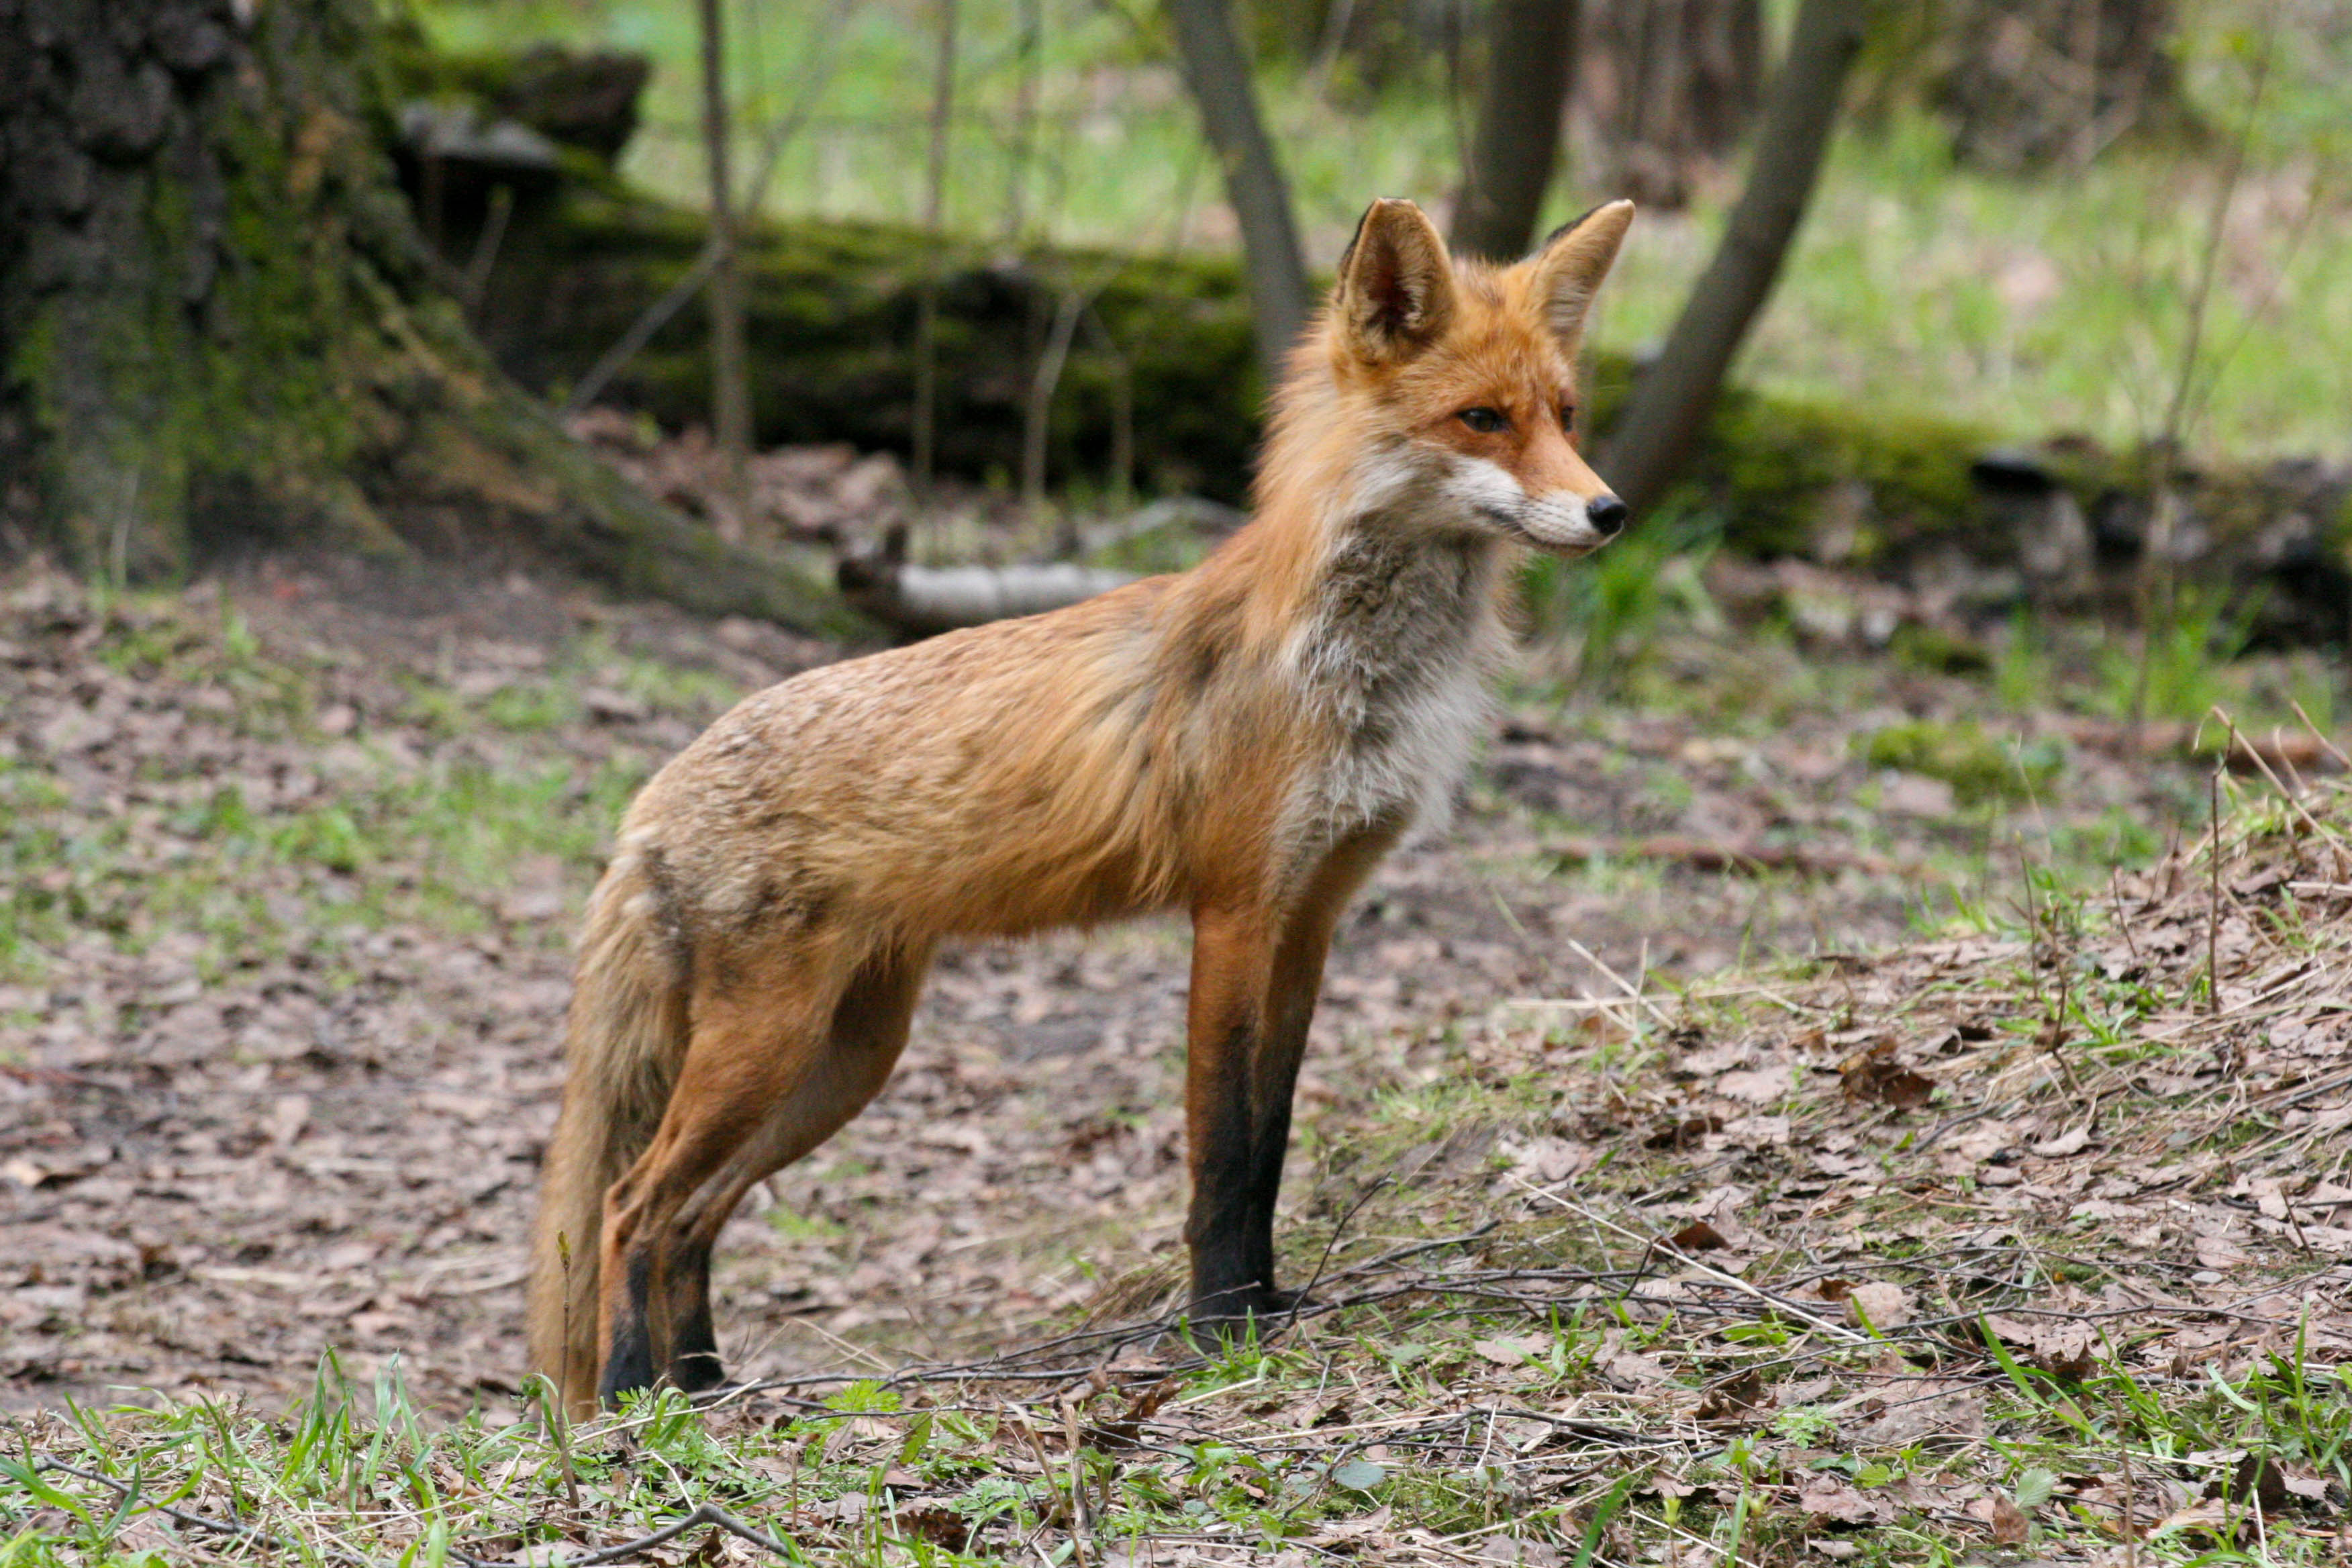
(876, 1474)
(2036, 306)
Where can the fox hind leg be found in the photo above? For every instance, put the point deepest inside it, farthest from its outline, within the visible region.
(733, 1124)
(748, 1044)
(868, 1030)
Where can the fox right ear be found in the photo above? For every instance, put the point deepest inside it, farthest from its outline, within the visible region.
(1395, 293)
(1572, 264)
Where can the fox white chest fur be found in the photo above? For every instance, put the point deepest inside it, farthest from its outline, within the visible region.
(1399, 657)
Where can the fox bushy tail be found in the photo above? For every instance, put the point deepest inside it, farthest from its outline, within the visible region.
(624, 1040)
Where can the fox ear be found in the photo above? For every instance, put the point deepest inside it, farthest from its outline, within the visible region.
(1395, 293)
(1568, 268)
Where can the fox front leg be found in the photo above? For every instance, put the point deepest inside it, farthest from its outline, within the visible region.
(1229, 1229)
(1255, 980)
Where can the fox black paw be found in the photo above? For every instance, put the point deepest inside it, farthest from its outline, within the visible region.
(698, 1372)
(1223, 1318)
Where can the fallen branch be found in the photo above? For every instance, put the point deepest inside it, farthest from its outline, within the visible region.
(1193, 512)
(923, 601)
(2302, 753)
(711, 1514)
(1742, 859)
(926, 600)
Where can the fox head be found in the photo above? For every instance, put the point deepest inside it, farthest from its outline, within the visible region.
(1462, 375)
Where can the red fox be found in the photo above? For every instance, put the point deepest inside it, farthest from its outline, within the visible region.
(1242, 741)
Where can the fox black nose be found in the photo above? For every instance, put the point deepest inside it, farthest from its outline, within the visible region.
(1608, 514)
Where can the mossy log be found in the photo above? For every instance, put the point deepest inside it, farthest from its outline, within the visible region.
(1936, 503)
(832, 312)
(219, 325)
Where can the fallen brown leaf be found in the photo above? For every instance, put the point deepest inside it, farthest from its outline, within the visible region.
(2007, 1522)
(1827, 1496)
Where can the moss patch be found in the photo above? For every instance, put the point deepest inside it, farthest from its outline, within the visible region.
(1978, 766)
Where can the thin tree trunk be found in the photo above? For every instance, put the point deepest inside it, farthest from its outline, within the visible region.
(1037, 417)
(731, 393)
(926, 308)
(1663, 89)
(1029, 37)
(1662, 425)
(1280, 296)
(1530, 58)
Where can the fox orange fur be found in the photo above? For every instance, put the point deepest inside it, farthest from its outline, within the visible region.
(1242, 741)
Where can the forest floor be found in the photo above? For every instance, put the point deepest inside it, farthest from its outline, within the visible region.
(1760, 1095)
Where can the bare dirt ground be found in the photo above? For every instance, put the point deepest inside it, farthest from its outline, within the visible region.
(292, 860)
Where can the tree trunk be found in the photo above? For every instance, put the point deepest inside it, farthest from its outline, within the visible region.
(218, 324)
(1530, 56)
(1280, 297)
(1666, 89)
(731, 394)
(1667, 416)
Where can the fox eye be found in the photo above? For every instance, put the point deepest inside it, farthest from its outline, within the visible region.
(1486, 421)
(1567, 416)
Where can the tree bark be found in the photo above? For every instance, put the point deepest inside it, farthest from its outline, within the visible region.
(1665, 88)
(730, 392)
(926, 314)
(218, 324)
(1663, 425)
(1280, 296)
(1530, 58)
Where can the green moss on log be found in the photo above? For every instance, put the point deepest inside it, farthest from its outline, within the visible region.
(1771, 464)
(833, 309)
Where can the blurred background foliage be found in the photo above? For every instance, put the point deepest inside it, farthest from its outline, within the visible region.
(1979, 249)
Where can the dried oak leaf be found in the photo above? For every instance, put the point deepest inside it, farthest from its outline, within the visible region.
(1828, 1497)
(1929, 1409)
(2271, 1486)
(1876, 1079)
(2073, 1142)
(937, 1523)
(1121, 1430)
(1732, 1398)
(1699, 1237)
(1875, 1076)
(2208, 1519)
(1881, 1305)
(1683, 1133)
(2221, 1254)
(2007, 1522)
(2062, 1348)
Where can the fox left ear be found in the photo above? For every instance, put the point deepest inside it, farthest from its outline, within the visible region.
(1395, 292)
(1569, 268)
